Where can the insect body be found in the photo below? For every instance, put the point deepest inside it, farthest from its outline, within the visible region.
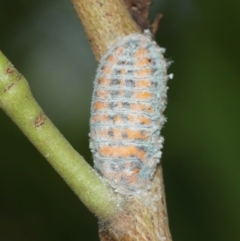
(129, 98)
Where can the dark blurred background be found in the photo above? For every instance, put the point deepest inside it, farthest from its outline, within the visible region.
(201, 155)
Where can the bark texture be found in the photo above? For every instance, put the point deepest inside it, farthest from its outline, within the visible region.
(104, 22)
(144, 218)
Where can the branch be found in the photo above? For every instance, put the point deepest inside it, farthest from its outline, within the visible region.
(145, 218)
(17, 101)
(104, 22)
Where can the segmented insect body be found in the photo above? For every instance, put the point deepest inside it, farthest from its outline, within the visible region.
(129, 98)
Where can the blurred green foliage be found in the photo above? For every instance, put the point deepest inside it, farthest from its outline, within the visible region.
(201, 155)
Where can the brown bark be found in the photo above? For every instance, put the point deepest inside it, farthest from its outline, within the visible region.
(104, 22)
(144, 218)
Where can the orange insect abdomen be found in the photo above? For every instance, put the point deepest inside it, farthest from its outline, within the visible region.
(129, 98)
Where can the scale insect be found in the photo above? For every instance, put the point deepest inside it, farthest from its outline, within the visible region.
(128, 101)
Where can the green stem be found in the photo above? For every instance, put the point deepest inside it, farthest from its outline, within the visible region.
(17, 101)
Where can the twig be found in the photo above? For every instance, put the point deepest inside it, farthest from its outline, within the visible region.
(146, 218)
(104, 22)
(17, 101)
